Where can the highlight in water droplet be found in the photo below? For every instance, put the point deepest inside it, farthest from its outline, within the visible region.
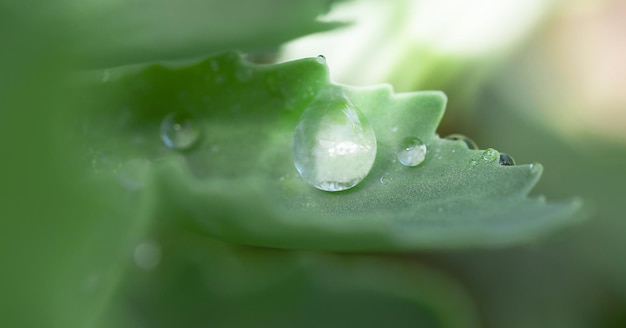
(490, 155)
(468, 142)
(506, 160)
(411, 152)
(334, 146)
(178, 131)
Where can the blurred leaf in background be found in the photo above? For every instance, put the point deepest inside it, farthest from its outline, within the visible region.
(452, 45)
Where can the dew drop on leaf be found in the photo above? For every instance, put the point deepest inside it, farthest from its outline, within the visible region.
(147, 255)
(490, 155)
(334, 146)
(106, 76)
(244, 73)
(321, 59)
(506, 160)
(468, 142)
(178, 131)
(411, 152)
(132, 174)
(106, 162)
(272, 83)
(535, 168)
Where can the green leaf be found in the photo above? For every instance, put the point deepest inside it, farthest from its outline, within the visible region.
(201, 281)
(127, 32)
(239, 184)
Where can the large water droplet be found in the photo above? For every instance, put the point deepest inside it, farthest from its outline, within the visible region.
(490, 155)
(468, 142)
(334, 146)
(178, 131)
(412, 151)
(506, 160)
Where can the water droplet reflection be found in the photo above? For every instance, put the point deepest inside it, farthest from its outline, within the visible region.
(506, 160)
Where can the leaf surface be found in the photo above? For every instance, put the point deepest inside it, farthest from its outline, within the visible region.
(238, 183)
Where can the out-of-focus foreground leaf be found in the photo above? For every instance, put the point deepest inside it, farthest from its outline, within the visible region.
(55, 232)
(238, 183)
(127, 32)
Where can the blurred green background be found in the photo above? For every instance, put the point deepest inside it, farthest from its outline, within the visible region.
(543, 81)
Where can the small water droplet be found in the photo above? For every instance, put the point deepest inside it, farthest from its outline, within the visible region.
(385, 179)
(133, 174)
(506, 160)
(334, 146)
(215, 66)
(490, 155)
(468, 142)
(147, 255)
(321, 59)
(244, 73)
(272, 84)
(473, 162)
(105, 162)
(412, 151)
(535, 168)
(178, 131)
(106, 76)
(92, 282)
